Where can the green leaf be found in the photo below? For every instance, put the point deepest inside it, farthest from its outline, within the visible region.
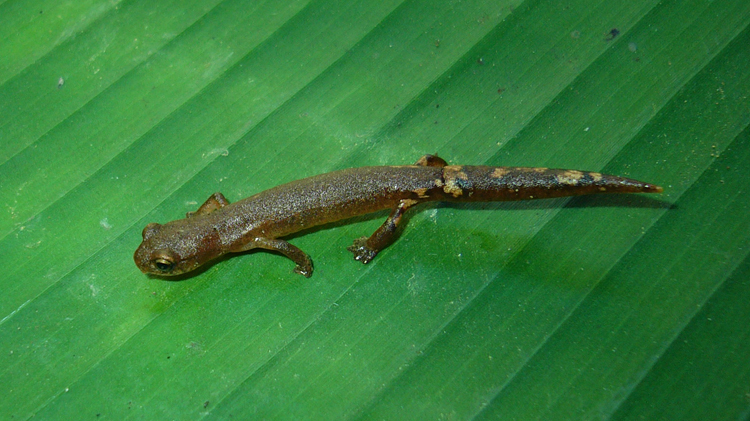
(117, 114)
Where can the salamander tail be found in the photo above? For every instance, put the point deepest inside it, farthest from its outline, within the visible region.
(477, 183)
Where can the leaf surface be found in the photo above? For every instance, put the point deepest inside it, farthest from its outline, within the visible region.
(117, 114)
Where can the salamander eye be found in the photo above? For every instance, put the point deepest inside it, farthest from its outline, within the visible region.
(163, 261)
(164, 265)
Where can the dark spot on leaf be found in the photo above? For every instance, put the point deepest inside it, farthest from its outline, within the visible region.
(613, 33)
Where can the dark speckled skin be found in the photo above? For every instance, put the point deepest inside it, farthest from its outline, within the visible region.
(218, 227)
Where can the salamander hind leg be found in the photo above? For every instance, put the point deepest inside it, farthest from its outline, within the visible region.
(215, 201)
(365, 249)
(431, 161)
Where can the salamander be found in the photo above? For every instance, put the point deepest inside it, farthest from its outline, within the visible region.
(219, 227)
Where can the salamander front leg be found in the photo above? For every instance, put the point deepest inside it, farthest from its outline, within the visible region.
(299, 257)
(365, 249)
(215, 201)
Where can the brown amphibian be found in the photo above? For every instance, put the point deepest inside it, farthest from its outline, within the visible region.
(219, 227)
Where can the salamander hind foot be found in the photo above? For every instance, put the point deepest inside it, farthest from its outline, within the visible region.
(361, 252)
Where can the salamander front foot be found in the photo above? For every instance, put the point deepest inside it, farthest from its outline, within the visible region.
(361, 252)
(305, 270)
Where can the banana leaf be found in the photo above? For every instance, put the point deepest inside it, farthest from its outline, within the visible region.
(115, 114)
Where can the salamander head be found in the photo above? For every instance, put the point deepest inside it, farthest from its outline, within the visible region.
(174, 248)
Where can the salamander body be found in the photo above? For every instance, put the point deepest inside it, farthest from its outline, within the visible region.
(218, 227)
